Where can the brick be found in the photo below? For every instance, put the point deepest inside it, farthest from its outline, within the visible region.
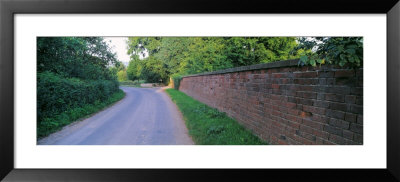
(304, 141)
(321, 134)
(320, 118)
(350, 142)
(282, 142)
(333, 130)
(348, 134)
(306, 88)
(335, 114)
(339, 123)
(319, 141)
(322, 81)
(311, 74)
(293, 111)
(314, 110)
(298, 132)
(356, 109)
(303, 114)
(350, 99)
(313, 124)
(291, 93)
(276, 86)
(350, 117)
(305, 101)
(306, 129)
(359, 100)
(338, 90)
(359, 82)
(299, 107)
(334, 97)
(344, 73)
(295, 125)
(285, 81)
(338, 106)
(351, 82)
(278, 75)
(360, 119)
(290, 105)
(323, 104)
(359, 72)
(356, 128)
(337, 139)
(309, 95)
(310, 137)
(326, 142)
(320, 96)
(277, 91)
(358, 138)
(325, 74)
(330, 81)
(356, 91)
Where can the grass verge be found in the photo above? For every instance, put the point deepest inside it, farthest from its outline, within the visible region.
(53, 124)
(208, 126)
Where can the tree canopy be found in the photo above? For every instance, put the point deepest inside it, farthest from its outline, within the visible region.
(79, 57)
(190, 55)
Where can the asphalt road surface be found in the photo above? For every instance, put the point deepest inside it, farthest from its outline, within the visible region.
(146, 116)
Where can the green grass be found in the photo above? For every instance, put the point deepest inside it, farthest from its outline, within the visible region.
(208, 126)
(55, 123)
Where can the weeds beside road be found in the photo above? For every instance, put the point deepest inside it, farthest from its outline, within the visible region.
(208, 126)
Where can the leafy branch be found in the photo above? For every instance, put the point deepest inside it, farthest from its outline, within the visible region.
(342, 51)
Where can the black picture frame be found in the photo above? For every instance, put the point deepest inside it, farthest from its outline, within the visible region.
(8, 8)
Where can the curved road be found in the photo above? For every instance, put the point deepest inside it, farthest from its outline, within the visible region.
(146, 116)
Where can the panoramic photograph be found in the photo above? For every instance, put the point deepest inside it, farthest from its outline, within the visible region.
(199, 91)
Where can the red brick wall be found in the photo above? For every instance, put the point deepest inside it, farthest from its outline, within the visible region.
(287, 104)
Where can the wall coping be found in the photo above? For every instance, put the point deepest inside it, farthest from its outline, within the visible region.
(277, 64)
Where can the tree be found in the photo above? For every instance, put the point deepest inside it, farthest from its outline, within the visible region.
(134, 69)
(342, 51)
(189, 55)
(122, 76)
(79, 57)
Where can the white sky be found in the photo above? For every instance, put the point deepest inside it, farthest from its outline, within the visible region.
(119, 46)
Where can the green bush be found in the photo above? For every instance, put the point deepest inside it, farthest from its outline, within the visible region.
(56, 94)
(54, 123)
(176, 78)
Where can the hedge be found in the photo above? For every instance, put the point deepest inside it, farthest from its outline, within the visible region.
(176, 79)
(56, 94)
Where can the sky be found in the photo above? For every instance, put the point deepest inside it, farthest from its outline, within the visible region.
(118, 45)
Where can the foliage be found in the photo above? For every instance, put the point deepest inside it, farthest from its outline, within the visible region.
(57, 94)
(57, 121)
(342, 51)
(122, 76)
(176, 79)
(73, 73)
(134, 70)
(79, 57)
(208, 126)
(119, 70)
(190, 55)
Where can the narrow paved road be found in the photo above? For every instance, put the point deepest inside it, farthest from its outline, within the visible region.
(146, 116)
